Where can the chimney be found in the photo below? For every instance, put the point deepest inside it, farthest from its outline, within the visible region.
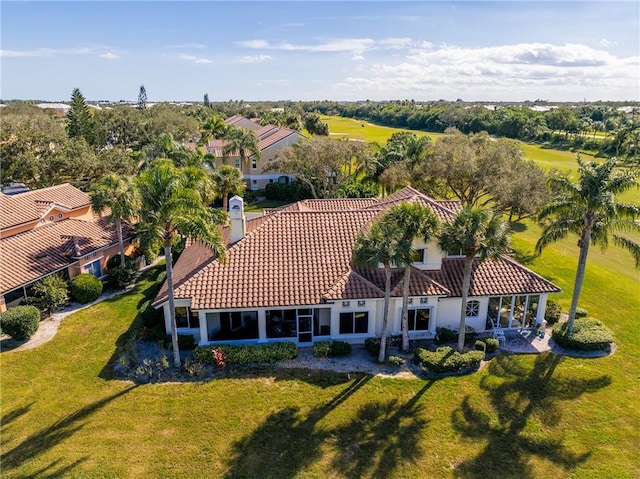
(236, 213)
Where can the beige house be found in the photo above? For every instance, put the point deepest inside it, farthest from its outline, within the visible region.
(290, 277)
(51, 230)
(271, 140)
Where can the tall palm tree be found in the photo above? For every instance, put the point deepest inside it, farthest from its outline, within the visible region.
(477, 233)
(412, 220)
(165, 147)
(241, 142)
(171, 207)
(120, 197)
(228, 179)
(381, 245)
(588, 208)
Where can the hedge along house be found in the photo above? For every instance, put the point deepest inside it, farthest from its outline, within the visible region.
(48, 231)
(271, 140)
(290, 276)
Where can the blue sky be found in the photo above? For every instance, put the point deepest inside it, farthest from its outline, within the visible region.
(477, 51)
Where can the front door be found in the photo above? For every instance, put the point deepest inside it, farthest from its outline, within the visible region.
(305, 322)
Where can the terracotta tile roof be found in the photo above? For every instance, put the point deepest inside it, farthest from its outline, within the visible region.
(492, 277)
(290, 259)
(453, 205)
(240, 121)
(31, 205)
(409, 194)
(275, 137)
(302, 255)
(28, 256)
(265, 131)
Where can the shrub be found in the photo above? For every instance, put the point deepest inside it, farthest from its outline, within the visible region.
(251, 196)
(289, 192)
(237, 354)
(481, 346)
(324, 349)
(588, 335)
(114, 261)
(20, 322)
(581, 313)
(553, 312)
(372, 345)
(162, 276)
(194, 369)
(185, 341)
(396, 361)
(492, 344)
(86, 288)
(446, 335)
(49, 293)
(444, 359)
(121, 276)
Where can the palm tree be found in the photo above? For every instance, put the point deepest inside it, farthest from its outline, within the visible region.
(381, 245)
(166, 147)
(412, 220)
(228, 179)
(117, 194)
(241, 142)
(214, 127)
(588, 208)
(170, 207)
(477, 233)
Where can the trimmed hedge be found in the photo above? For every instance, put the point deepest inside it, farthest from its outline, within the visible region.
(589, 334)
(86, 288)
(20, 322)
(372, 345)
(492, 344)
(395, 361)
(185, 341)
(445, 359)
(553, 312)
(121, 276)
(581, 313)
(446, 335)
(245, 354)
(481, 346)
(330, 349)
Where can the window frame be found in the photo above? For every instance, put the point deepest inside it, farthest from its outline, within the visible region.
(354, 318)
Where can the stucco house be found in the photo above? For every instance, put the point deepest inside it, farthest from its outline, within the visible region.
(271, 140)
(290, 276)
(47, 231)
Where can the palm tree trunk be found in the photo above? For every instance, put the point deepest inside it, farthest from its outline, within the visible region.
(382, 355)
(577, 287)
(225, 201)
(405, 308)
(172, 306)
(466, 282)
(120, 241)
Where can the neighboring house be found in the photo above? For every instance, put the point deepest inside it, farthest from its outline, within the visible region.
(271, 140)
(51, 230)
(290, 276)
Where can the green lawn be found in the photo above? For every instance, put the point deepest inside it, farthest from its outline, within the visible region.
(362, 130)
(260, 205)
(522, 416)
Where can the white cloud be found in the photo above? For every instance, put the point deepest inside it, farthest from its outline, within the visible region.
(357, 57)
(337, 45)
(45, 52)
(110, 56)
(521, 70)
(395, 43)
(255, 58)
(194, 59)
(607, 43)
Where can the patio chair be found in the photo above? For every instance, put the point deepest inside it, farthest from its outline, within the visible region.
(498, 332)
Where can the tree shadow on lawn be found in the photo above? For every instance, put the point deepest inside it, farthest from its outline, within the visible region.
(289, 441)
(521, 398)
(130, 335)
(47, 438)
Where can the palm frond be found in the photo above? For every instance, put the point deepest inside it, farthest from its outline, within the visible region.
(630, 246)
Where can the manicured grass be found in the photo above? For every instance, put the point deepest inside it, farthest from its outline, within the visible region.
(258, 206)
(522, 416)
(362, 130)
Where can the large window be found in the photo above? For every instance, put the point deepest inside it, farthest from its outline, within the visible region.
(185, 318)
(513, 311)
(419, 319)
(93, 268)
(282, 323)
(354, 322)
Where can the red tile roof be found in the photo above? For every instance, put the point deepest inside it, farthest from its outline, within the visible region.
(240, 121)
(32, 205)
(492, 277)
(302, 255)
(28, 256)
(275, 137)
